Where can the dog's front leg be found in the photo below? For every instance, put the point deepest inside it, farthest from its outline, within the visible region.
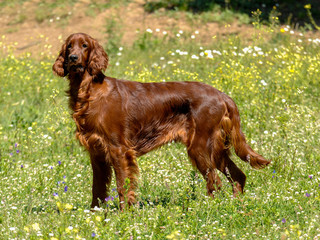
(102, 175)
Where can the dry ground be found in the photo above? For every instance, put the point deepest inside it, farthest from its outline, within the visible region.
(31, 36)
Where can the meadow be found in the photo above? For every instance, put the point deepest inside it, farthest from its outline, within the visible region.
(274, 79)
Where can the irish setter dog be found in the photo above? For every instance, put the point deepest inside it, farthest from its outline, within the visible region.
(118, 121)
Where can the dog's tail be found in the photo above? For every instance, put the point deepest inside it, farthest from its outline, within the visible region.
(230, 124)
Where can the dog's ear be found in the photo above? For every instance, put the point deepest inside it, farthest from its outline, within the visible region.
(98, 59)
(60, 63)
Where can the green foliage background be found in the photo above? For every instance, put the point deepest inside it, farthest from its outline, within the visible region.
(290, 11)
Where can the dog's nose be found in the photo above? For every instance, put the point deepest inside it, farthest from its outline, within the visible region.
(73, 57)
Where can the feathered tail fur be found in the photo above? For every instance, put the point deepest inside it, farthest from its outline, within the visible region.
(230, 125)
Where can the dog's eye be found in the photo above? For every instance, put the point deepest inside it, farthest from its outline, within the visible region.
(84, 45)
(69, 45)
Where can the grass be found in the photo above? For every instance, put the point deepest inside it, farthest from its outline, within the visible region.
(46, 176)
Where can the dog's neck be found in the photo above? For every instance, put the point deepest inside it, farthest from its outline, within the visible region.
(79, 87)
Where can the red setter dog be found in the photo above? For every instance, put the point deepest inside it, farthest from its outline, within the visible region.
(118, 121)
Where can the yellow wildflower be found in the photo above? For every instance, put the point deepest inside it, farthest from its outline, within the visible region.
(174, 235)
(59, 205)
(36, 226)
(307, 6)
(68, 206)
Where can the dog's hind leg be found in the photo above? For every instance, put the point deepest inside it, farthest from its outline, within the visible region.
(126, 171)
(234, 174)
(220, 144)
(200, 159)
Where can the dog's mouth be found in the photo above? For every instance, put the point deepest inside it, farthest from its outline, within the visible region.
(76, 68)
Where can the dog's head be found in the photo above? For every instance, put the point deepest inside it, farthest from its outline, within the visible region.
(78, 54)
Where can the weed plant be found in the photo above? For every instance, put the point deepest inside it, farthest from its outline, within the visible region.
(46, 176)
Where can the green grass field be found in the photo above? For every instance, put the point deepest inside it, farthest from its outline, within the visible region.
(46, 176)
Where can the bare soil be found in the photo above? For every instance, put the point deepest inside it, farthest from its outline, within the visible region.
(31, 36)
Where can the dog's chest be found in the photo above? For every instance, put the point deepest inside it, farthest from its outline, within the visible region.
(90, 129)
